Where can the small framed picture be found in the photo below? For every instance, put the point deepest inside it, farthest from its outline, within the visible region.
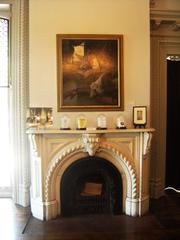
(139, 116)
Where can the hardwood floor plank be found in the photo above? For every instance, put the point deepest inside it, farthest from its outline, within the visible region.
(161, 223)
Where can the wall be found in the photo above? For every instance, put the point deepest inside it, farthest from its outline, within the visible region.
(130, 18)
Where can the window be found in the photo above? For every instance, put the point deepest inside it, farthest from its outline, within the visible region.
(5, 153)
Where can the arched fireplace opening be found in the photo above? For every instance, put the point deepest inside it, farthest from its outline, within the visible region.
(91, 185)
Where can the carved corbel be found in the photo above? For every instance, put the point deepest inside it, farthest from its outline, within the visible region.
(34, 144)
(91, 143)
(147, 143)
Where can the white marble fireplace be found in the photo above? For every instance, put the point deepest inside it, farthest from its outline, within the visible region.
(53, 151)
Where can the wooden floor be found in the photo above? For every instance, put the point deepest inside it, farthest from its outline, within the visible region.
(161, 223)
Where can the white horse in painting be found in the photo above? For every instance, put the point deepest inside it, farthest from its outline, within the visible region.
(96, 86)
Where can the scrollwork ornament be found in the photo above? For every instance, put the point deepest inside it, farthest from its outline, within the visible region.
(33, 142)
(91, 143)
(147, 143)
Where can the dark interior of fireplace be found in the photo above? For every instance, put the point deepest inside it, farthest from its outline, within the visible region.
(91, 185)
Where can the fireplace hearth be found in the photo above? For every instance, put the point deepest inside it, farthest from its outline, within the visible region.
(91, 185)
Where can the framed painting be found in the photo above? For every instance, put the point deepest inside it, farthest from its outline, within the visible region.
(89, 72)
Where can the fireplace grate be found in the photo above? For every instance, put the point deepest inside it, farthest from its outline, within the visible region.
(92, 205)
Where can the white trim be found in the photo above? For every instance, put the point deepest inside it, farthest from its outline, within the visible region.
(19, 99)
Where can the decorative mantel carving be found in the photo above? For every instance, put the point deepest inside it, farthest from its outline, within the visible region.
(91, 143)
(34, 144)
(147, 143)
(111, 145)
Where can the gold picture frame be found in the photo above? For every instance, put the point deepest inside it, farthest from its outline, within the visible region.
(89, 72)
(139, 116)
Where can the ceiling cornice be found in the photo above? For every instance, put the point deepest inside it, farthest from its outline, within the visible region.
(165, 17)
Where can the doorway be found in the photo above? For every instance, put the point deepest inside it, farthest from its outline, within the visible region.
(173, 123)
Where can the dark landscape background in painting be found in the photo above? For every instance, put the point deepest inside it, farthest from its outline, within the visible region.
(90, 72)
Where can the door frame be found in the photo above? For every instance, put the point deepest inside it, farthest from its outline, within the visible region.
(161, 47)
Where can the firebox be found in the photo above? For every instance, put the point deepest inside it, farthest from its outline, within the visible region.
(91, 185)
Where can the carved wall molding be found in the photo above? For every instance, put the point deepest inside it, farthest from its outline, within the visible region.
(165, 18)
(164, 14)
(152, 3)
(19, 99)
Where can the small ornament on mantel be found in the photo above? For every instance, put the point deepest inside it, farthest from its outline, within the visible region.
(43, 116)
(65, 123)
(120, 122)
(101, 122)
(81, 122)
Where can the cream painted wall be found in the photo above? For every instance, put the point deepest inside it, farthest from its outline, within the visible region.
(127, 17)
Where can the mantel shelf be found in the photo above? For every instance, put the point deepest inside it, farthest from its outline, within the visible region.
(88, 131)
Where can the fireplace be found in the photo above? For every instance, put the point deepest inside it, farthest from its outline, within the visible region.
(91, 185)
(75, 172)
